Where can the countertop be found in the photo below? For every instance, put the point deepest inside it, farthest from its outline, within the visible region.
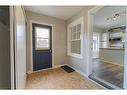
(113, 48)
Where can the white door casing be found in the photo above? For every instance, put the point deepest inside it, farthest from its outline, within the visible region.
(20, 47)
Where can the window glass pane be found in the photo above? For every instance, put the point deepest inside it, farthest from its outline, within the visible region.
(75, 39)
(73, 36)
(42, 38)
(76, 47)
(71, 33)
(42, 32)
(78, 35)
(42, 43)
(74, 29)
(78, 27)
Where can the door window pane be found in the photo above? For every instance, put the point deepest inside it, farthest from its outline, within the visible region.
(42, 38)
(42, 32)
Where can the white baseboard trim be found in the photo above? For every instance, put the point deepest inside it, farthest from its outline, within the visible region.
(29, 72)
(83, 74)
(57, 66)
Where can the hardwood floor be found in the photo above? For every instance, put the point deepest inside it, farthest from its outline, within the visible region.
(59, 79)
(108, 72)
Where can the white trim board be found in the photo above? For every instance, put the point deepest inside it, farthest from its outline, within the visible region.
(83, 74)
(58, 66)
(31, 21)
(20, 49)
(11, 8)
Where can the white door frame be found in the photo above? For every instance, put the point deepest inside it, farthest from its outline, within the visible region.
(32, 21)
(12, 47)
(90, 33)
(20, 61)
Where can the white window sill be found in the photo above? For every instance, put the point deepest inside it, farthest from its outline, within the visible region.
(76, 55)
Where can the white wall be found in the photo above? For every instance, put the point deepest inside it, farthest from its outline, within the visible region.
(59, 38)
(77, 63)
(20, 47)
(97, 29)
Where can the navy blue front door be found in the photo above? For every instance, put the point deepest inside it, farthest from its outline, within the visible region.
(42, 46)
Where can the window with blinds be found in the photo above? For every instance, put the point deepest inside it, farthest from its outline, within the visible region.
(75, 38)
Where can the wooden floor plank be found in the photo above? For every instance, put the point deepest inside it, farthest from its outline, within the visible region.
(108, 72)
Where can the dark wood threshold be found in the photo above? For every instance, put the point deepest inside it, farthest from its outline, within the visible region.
(100, 82)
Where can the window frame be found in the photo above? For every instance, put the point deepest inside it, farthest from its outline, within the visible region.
(75, 23)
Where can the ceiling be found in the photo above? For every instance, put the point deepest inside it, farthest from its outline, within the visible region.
(100, 17)
(61, 12)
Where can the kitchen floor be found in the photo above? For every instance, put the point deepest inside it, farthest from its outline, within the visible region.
(59, 79)
(108, 72)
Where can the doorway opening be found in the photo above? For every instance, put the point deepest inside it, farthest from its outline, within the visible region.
(107, 61)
